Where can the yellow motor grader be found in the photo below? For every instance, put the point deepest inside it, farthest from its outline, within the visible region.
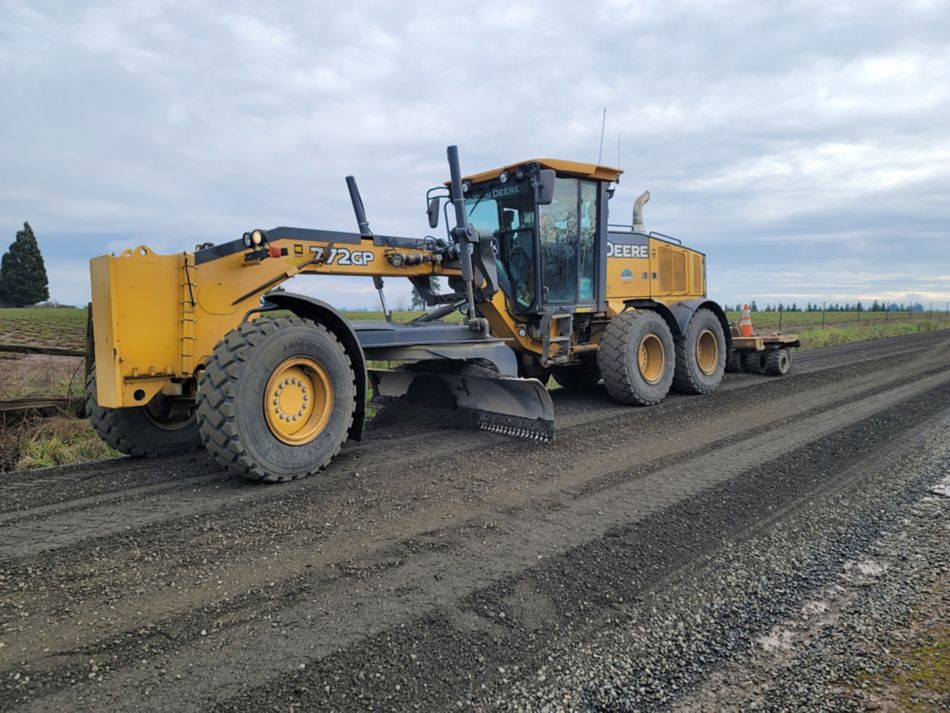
(202, 347)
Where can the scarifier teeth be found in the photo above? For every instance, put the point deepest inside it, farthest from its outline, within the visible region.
(529, 431)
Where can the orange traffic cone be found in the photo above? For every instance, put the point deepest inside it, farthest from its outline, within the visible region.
(745, 322)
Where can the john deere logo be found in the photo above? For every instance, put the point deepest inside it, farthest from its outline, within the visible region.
(626, 276)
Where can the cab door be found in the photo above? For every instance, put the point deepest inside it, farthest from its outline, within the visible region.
(567, 245)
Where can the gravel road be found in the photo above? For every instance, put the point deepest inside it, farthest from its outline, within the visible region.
(715, 552)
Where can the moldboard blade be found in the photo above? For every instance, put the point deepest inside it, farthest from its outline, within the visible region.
(501, 404)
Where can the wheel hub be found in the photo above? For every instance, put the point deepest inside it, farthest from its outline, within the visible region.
(298, 400)
(707, 352)
(651, 359)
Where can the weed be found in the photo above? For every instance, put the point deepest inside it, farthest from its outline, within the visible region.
(62, 441)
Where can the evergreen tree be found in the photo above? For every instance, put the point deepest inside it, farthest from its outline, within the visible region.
(22, 271)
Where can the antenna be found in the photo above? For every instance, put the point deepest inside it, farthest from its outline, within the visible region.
(603, 123)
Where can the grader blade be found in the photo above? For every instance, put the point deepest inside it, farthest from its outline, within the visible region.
(500, 404)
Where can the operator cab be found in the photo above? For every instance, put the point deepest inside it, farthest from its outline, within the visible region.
(548, 222)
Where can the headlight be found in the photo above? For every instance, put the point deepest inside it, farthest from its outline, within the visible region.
(503, 178)
(258, 237)
(465, 186)
(247, 239)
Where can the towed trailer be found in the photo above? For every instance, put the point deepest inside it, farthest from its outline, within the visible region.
(762, 353)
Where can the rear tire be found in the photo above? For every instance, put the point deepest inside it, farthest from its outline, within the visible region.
(636, 358)
(700, 355)
(579, 377)
(778, 362)
(755, 362)
(263, 378)
(141, 431)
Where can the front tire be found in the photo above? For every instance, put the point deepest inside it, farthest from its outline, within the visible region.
(276, 399)
(700, 355)
(636, 358)
(142, 431)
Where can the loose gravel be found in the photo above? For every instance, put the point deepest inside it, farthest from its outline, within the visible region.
(636, 562)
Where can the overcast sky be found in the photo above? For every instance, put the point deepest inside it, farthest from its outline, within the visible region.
(804, 146)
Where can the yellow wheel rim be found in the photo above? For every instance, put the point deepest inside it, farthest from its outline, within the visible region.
(651, 359)
(707, 352)
(298, 400)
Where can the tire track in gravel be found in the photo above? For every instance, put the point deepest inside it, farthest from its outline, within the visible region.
(350, 609)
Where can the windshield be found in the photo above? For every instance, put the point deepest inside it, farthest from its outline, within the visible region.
(507, 209)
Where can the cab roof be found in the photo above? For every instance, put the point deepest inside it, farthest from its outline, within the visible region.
(571, 168)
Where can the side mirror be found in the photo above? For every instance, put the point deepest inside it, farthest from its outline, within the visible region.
(433, 212)
(546, 178)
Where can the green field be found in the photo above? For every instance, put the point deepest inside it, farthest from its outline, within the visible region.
(63, 327)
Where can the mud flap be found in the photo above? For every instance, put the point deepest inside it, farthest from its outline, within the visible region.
(500, 404)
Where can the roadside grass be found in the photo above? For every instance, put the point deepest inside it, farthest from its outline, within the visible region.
(25, 375)
(816, 337)
(926, 667)
(61, 441)
(917, 677)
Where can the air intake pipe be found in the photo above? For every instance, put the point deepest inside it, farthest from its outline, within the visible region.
(638, 211)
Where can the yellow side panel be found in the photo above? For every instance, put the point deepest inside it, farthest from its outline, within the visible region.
(699, 274)
(108, 378)
(136, 308)
(665, 269)
(679, 272)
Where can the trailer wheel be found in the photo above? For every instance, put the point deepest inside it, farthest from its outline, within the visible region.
(734, 364)
(276, 399)
(577, 377)
(778, 362)
(142, 431)
(700, 355)
(636, 358)
(755, 362)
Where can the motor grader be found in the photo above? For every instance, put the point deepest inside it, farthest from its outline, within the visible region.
(204, 347)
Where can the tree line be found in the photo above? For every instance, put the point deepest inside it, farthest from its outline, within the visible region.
(831, 307)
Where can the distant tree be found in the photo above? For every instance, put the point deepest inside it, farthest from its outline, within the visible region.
(859, 307)
(753, 307)
(875, 307)
(23, 278)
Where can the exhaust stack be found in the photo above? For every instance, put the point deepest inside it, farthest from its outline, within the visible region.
(638, 211)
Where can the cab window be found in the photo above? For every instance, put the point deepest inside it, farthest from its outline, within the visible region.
(568, 230)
